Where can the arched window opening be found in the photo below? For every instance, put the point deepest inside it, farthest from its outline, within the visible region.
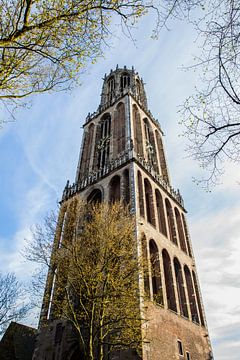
(119, 128)
(138, 89)
(111, 88)
(102, 147)
(95, 197)
(137, 126)
(124, 81)
(155, 273)
(149, 202)
(114, 189)
(150, 145)
(160, 213)
(198, 298)
(145, 266)
(170, 221)
(162, 159)
(86, 152)
(180, 231)
(140, 195)
(180, 289)
(187, 236)
(171, 300)
(126, 186)
(191, 295)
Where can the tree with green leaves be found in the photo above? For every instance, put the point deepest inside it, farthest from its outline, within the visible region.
(96, 271)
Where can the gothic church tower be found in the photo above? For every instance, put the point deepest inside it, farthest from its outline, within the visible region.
(122, 158)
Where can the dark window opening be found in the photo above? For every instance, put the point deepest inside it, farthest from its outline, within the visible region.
(114, 189)
(149, 202)
(58, 333)
(180, 348)
(140, 195)
(124, 81)
(160, 213)
(103, 143)
(188, 355)
(156, 273)
(171, 300)
(180, 288)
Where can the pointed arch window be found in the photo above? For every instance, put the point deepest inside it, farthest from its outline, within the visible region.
(181, 235)
(160, 213)
(95, 197)
(119, 129)
(102, 147)
(191, 295)
(170, 221)
(171, 300)
(150, 145)
(149, 202)
(155, 273)
(124, 81)
(111, 88)
(114, 189)
(137, 127)
(161, 157)
(140, 195)
(86, 152)
(180, 288)
(187, 236)
(198, 298)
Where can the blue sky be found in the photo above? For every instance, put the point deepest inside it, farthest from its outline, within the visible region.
(39, 152)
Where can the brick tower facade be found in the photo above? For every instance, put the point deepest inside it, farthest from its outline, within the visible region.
(122, 158)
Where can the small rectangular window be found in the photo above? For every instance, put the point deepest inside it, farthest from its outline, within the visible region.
(188, 355)
(180, 348)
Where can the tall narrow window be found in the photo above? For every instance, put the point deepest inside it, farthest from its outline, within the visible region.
(114, 189)
(162, 159)
(86, 152)
(119, 128)
(155, 273)
(160, 213)
(145, 265)
(180, 288)
(52, 283)
(171, 300)
(149, 202)
(150, 145)
(180, 230)
(140, 195)
(111, 88)
(102, 147)
(191, 295)
(124, 81)
(137, 126)
(180, 348)
(186, 236)
(170, 220)
(198, 298)
(126, 186)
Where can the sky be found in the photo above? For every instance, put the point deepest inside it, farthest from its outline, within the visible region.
(39, 153)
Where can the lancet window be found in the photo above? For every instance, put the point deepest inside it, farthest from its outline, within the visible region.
(114, 189)
(180, 288)
(198, 298)
(124, 81)
(155, 273)
(181, 235)
(171, 300)
(111, 88)
(160, 213)
(137, 126)
(170, 220)
(119, 128)
(102, 147)
(150, 145)
(87, 148)
(186, 236)
(149, 202)
(161, 156)
(191, 295)
(140, 195)
(126, 186)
